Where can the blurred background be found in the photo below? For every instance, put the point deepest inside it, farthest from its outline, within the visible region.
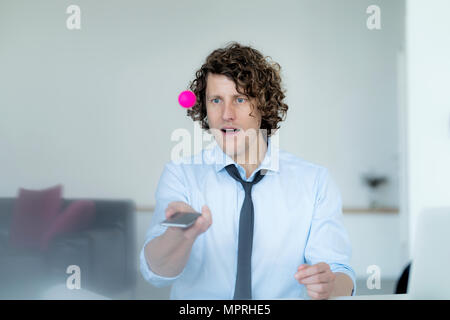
(86, 118)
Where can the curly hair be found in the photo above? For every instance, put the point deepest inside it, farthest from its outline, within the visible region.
(252, 73)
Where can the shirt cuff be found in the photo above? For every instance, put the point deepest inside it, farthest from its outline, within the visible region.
(151, 277)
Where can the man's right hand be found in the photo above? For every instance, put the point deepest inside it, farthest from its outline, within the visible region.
(168, 254)
(201, 224)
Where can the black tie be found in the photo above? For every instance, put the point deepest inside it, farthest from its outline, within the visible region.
(243, 286)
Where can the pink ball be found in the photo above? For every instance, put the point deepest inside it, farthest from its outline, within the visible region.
(187, 99)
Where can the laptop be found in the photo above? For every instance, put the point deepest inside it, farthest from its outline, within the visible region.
(429, 276)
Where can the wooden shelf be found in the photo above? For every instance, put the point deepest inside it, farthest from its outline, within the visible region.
(370, 210)
(145, 208)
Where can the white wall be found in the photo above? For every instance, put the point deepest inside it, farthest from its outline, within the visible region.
(428, 106)
(94, 109)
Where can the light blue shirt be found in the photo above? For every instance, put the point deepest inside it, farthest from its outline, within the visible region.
(298, 219)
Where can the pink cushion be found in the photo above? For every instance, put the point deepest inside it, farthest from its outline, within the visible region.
(78, 215)
(34, 210)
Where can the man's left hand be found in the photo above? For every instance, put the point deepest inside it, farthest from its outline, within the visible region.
(318, 279)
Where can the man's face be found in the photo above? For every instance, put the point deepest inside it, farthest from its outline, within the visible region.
(228, 109)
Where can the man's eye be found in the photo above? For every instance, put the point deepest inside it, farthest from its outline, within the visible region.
(240, 100)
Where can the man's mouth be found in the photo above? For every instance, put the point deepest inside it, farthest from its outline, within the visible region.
(229, 131)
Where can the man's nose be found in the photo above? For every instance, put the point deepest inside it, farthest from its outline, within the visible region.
(228, 112)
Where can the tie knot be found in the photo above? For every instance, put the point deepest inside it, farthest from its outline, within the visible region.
(247, 185)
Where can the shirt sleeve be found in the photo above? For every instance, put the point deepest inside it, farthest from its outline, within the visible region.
(328, 240)
(171, 187)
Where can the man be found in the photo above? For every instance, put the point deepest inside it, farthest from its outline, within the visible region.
(270, 224)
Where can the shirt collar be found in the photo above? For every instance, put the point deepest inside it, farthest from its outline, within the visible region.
(270, 162)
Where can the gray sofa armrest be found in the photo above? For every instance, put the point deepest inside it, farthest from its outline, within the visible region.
(65, 250)
(100, 254)
(108, 254)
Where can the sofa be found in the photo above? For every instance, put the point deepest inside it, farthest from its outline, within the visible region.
(104, 253)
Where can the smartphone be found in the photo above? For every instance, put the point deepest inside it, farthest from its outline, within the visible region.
(181, 219)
